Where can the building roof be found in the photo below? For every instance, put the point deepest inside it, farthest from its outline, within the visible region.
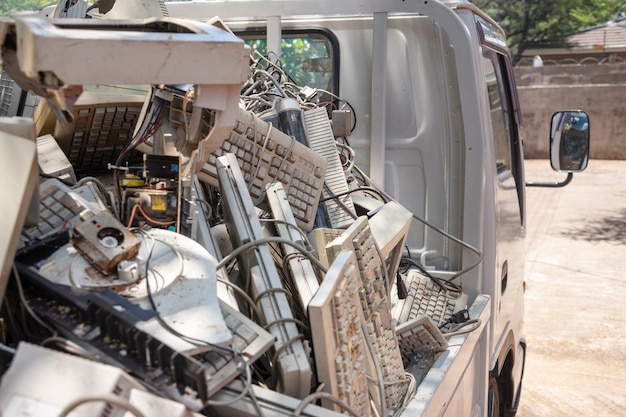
(609, 35)
(599, 44)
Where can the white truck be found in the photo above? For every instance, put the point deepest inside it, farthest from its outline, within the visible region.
(358, 206)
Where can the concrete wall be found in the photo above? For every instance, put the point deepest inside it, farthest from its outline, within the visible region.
(600, 90)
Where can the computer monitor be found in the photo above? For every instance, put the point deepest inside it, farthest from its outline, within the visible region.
(19, 176)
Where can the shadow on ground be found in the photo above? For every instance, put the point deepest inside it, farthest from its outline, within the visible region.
(609, 230)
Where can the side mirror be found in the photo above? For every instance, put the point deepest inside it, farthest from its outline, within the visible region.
(569, 141)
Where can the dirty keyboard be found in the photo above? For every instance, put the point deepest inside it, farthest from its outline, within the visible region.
(375, 307)
(265, 155)
(249, 339)
(419, 336)
(339, 344)
(425, 297)
(57, 207)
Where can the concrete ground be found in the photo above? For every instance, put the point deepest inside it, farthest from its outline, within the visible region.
(576, 293)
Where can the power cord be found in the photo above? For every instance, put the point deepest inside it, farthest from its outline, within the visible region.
(459, 317)
(475, 323)
(431, 226)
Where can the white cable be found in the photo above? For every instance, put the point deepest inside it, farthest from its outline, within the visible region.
(324, 396)
(410, 392)
(351, 154)
(270, 239)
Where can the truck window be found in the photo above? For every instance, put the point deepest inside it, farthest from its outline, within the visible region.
(500, 114)
(507, 146)
(308, 58)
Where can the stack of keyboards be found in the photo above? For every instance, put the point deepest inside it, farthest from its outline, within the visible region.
(307, 283)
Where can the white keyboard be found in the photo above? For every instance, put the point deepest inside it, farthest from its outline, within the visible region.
(58, 206)
(419, 336)
(425, 297)
(340, 210)
(339, 344)
(301, 270)
(265, 155)
(376, 307)
(292, 369)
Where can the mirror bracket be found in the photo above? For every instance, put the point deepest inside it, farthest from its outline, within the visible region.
(563, 183)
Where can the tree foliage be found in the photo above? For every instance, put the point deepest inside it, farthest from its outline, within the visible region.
(306, 60)
(12, 6)
(594, 12)
(529, 22)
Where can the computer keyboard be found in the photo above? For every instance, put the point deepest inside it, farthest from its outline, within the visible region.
(301, 272)
(250, 341)
(58, 206)
(419, 336)
(375, 306)
(265, 155)
(204, 370)
(6, 93)
(425, 297)
(102, 127)
(341, 352)
(322, 236)
(340, 211)
(108, 321)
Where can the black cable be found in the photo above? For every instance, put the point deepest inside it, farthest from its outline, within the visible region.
(290, 225)
(442, 232)
(382, 196)
(151, 127)
(441, 283)
(336, 197)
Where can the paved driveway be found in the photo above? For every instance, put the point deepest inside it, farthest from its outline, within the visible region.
(576, 293)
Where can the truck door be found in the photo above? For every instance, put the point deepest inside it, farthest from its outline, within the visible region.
(509, 196)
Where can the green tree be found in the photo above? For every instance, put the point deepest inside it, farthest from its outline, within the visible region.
(528, 22)
(12, 6)
(594, 12)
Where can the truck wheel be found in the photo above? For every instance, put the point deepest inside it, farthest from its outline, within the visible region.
(494, 397)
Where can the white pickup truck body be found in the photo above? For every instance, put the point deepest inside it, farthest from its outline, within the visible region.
(437, 127)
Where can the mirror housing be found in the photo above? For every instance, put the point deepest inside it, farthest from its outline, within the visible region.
(569, 141)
